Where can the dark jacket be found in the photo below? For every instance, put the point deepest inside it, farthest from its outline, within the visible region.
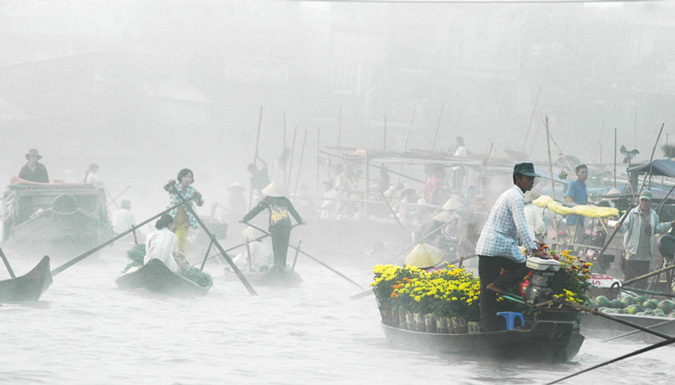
(39, 175)
(279, 207)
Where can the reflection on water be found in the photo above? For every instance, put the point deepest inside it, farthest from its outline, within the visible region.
(85, 331)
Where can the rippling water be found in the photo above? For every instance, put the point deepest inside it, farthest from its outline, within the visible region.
(85, 331)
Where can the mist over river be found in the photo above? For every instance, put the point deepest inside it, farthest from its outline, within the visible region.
(85, 330)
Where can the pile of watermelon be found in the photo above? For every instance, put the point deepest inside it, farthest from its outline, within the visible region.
(639, 305)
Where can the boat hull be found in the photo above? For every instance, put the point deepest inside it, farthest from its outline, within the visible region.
(547, 341)
(263, 279)
(600, 327)
(28, 287)
(154, 276)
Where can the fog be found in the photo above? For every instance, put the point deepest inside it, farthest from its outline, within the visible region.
(145, 88)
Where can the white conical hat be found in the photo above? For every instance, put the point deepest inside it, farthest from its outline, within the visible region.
(274, 189)
(424, 256)
(612, 191)
(251, 233)
(453, 203)
(444, 216)
(235, 186)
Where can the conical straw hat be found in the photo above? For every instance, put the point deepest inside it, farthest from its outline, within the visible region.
(251, 233)
(274, 189)
(444, 216)
(424, 256)
(453, 203)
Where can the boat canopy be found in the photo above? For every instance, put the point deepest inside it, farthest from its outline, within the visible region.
(659, 167)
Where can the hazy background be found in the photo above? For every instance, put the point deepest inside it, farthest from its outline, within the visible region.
(144, 88)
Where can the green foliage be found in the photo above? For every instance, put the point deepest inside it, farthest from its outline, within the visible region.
(137, 253)
(199, 277)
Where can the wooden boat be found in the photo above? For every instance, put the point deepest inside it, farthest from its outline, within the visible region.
(73, 216)
(154, 276)
(28, 287)
(600, 327)
(544, 341)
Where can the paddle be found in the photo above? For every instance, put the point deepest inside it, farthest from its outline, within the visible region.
(297, 251)
(234, 267)
(311, 257)
(113, 239)
(244, 244)
(638, 331)
(635, 353)
(9, 268)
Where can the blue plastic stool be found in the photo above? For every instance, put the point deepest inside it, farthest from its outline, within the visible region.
(510, 317)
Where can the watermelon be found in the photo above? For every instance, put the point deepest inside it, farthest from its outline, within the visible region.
(602, 301)
(620, 311)
(609, 310)
(617, 304)
(659, 313)
(671, 315)
(649, 312)
(650, 304)
(666, 305)
(640, 299)
(634, 309)
(628, 301)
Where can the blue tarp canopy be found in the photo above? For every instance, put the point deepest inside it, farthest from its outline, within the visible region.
(659, 167)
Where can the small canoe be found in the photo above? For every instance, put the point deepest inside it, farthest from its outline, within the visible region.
(545, 341)
(154, 276)
(600, 327)
(28, 287)
(265, 278)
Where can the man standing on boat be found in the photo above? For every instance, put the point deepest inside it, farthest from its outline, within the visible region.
(640, 226)
(33, 170)
(497, 246)
(577, 195)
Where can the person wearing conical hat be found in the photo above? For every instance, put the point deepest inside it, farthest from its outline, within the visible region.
(424, 256)
(261, 259)
(34, 171)
(279, 207)
(441, 231)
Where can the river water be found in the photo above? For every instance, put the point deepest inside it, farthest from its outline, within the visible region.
(87, 331)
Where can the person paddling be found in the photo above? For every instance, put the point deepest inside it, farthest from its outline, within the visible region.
(279, 207)
(183, 220)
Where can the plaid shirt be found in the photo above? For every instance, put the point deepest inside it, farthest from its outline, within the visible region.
(504, 225)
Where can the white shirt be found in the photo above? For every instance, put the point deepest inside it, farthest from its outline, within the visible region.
(160, 245)
(260, 256)
(122, 221)
(535, 222)
(92, 178)
(462, 151)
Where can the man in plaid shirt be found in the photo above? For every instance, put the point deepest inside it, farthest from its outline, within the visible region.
(497, 247)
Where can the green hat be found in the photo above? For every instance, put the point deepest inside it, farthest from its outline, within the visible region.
(526, 169)
(646, 195)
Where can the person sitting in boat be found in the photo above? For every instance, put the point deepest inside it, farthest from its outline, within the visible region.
(279, 207)
(444, 230)
(34, 171)
(497, 246)
(183, 219)
(425, 257)
(640, 226)
(123, 219)
(161, 244)
(91, 176)
(261, 258)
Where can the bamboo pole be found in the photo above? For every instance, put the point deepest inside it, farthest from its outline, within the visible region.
(384, 141)
(340, 129)
(615, 158)
(405, 145)
(302, 153)
(438, 127)
(290, 167)
(550, 169)
(529, 126)
(318, 171)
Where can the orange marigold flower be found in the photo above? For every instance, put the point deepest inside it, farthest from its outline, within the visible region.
(394, 294)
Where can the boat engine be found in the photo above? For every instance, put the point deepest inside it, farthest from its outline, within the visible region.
(542, 281)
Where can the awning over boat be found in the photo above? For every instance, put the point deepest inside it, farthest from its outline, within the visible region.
(659, 167)
(546, 201)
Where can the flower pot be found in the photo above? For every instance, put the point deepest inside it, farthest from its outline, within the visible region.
(392, 317)
(441, 324)
(409, 321)
(473, 327)
(419, 322)
(429, 323)
(458, 325)
(402, 320)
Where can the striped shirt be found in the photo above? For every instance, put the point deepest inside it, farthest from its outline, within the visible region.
(505, 224)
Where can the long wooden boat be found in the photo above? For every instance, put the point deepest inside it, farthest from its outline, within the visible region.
(28, 287)
(263, 278)
(154, 276)
(72, 216)
(600, 327)
(544, 341)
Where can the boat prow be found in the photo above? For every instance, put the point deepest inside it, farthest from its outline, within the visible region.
(154, 276)
(28, 287)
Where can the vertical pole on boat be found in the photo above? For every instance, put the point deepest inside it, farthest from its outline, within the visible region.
(405, 145)
(384, 140)
(534, 108)
(318, 172)
(255, 156)
(9, 268)
(285, 163)
(615, 158)
(302, 153)
(234, 267)
(438, 127)
(550, 169)
(206, 256)
(248, 255)
(340, 129)
(366, 189)
(295, 259)
(290, 166)
(392, 211)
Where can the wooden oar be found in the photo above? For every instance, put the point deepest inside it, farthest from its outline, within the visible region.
(312, 258)
(392, 212)
(9, 268)
(113, 239)
(244, 244)
(640, 278)
(635, 353)
(297, 251)
(638, 331)
(206, 256)
(234, 267)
